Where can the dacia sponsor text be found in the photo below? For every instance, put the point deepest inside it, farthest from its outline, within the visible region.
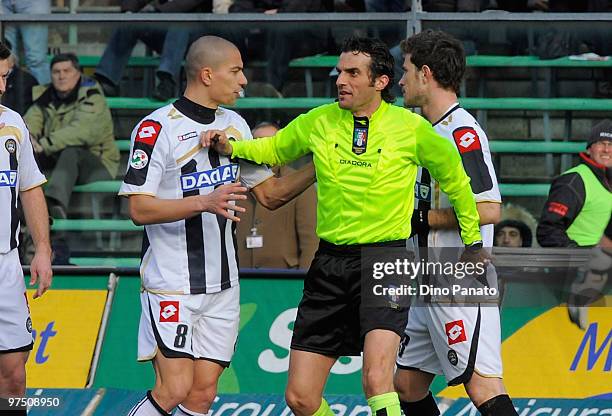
(205, 179)
(8, 178)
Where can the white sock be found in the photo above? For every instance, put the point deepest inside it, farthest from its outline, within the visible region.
(147, 407)
(183, 411)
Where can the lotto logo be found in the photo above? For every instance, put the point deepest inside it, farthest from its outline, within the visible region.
(148, 131)
(466, 139)
(169, 311)
(455, 332)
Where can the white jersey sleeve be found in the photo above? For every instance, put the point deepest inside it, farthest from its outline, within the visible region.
(148, 162)
(29, 174)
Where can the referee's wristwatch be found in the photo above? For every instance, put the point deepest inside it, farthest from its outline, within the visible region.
(475, 246)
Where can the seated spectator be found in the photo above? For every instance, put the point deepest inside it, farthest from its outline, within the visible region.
(286, 41)
(19, 84)
(170, 43)
(579, 204)
(512, 233)
(285, 238)
(72, 132)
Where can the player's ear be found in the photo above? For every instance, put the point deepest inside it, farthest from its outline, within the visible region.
(426, 72)
(381, 82)
(206, 76)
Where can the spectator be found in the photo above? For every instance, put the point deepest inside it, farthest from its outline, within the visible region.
(580, 202)
(285, 238)
(34, 37)
(285, 41)
(19, 84)
(512, 233)
(72, 132)
(171, 43)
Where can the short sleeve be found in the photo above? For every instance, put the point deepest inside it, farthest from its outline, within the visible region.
(148, 159)
(29, 173)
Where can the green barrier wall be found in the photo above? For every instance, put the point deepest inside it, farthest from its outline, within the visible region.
(267, 313)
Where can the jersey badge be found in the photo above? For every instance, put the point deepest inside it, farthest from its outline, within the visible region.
(148, 132)
(467, 139)
(139, 159)
(169, 311)
(11, 146)
(360, 135)
(422, 191)
(455, 332)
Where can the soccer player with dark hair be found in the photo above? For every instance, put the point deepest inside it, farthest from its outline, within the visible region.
(366, 152)
(461, 342)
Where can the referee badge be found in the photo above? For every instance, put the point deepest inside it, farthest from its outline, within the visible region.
(11, 146)
(360, 135)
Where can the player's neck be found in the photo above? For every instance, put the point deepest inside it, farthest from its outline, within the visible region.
(438, 104)
(199, 98)
(368, 109)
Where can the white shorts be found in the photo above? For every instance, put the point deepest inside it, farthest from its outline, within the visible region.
(15, 321)
(452, 340)
(203, 326)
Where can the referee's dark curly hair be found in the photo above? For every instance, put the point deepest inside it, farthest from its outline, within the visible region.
(381, 60)
(441, 52)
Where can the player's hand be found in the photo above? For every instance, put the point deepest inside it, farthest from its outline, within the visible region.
(221, 200)
(40, 270)
(476, 253)
(217, 140)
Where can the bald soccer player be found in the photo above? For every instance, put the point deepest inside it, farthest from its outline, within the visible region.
(185, 196)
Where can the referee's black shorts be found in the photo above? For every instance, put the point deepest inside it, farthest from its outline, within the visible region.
(331, 318)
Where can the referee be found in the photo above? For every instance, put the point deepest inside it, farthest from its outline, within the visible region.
(366, 152)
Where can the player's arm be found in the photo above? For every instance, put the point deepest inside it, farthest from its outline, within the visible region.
(444, 163)
(148, 209)
(287, 145)
(444, 218)
(275, 192)
(564, 203)
(35, 210)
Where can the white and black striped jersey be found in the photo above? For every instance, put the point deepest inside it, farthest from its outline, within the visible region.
(198, 254)
(460, 127)
(18, 172)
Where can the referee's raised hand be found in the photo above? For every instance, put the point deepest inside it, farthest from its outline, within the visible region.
(217, 140)
(222, 200)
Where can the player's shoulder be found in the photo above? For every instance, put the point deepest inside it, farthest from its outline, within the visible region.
(11, 118)
(458, 120)
(233, 124)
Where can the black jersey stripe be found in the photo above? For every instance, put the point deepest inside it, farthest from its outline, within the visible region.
(14, 213)
(194, 236)
(215, 162)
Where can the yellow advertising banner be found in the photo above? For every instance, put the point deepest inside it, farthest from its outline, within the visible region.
(550, 357)
(65, 326)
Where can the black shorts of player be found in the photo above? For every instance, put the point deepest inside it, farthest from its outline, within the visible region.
(331, 319)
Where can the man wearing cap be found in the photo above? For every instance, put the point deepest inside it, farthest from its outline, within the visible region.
(580, 201)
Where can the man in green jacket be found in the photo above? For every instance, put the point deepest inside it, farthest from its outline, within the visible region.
(72, 132)
(366, 152)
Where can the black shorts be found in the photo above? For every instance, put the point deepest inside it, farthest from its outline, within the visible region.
(331, 318)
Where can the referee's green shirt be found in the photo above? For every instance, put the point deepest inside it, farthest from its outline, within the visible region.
(369, 198)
